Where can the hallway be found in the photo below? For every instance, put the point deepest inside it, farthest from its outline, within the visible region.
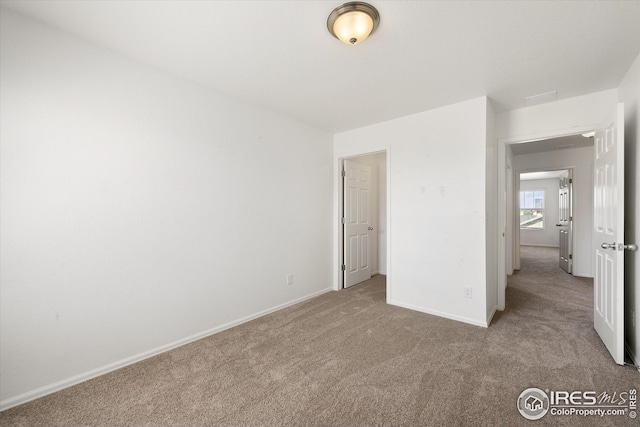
(542, 293)
(541, 276)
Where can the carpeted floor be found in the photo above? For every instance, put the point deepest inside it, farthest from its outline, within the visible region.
(348, 359)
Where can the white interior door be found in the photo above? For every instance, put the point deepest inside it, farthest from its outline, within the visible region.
(564, 223)
(357, 223)
(609, 233)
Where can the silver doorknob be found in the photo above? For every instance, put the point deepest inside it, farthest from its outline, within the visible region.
(629, 247)
(370, 228)
(608, 246)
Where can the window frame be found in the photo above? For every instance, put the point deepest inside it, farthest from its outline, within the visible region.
(522, 200)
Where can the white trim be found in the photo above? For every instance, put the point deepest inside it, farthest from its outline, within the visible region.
(77, 379)
(540, 136)
(474, 322)
(516, 223)
(503, 167)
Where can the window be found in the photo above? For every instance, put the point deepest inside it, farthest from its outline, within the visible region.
(532, 210)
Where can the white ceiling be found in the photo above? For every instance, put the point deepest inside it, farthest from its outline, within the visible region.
(425, 54)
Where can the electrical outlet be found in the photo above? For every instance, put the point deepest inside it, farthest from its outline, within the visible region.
(468, 292)
(289, 279)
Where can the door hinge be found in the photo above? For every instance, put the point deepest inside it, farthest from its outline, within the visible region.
(570, 256)
(344, 220)
(570, 218)
(344, 173)
(344, 267)
(570, 181)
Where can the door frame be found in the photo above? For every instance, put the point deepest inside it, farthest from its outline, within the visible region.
(338, 244)
(502, 190)
(516, 194)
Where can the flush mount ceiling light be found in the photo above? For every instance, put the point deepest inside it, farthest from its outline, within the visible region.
(353, 22)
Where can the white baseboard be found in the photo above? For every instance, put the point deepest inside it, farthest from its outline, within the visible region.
(441, 314)
(77, 379)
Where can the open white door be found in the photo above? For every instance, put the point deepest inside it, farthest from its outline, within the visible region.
(357, 223)
(609, 233)
(565, 223)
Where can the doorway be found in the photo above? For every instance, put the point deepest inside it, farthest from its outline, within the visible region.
(568, 151)
(550, 159)
(604, 231)
(363, 213)
(544, 212)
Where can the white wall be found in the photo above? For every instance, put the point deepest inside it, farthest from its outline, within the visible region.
(549, 236)
(565, 117)
(581, 160)
(377, 163)
(140, 211)
(629, 93)
(437, 206)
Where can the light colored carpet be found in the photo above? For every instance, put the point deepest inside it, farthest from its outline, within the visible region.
(348, 359)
